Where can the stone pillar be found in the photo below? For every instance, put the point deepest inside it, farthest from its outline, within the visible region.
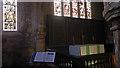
(112, 15)
(116, 34)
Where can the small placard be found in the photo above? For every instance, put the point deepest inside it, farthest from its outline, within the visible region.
(49, 56)
(44, 57)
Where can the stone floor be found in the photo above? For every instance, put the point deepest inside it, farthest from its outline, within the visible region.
(43, 65)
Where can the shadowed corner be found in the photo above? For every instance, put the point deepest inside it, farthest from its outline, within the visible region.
(0, 34)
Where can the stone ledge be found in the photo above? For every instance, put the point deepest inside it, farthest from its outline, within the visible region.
(112, 14)
(115, 27)
(110, 6)
(12, 34)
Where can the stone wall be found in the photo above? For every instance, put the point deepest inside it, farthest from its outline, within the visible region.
(30, 37)
(96, 9)
(13, 49)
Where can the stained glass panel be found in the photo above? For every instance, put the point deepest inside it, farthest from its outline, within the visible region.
(82, 8)
(66, 7)
(57, 8)
(88, 7)
(9, 15)
(74, 8)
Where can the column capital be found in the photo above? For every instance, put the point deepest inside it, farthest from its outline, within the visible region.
(111, 10)
(115, 27)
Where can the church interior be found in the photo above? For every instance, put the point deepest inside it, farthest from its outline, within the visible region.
(83, 34)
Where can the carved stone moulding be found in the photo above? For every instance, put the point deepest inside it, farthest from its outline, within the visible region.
(111, 10)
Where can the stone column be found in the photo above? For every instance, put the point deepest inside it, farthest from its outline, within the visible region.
(112, 15)
(116, 34)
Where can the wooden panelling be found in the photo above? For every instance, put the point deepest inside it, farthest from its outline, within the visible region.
(57, 31)
(87, 28)
(99, 32)
(73, 31)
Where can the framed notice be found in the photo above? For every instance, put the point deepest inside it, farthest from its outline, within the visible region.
(44, 57)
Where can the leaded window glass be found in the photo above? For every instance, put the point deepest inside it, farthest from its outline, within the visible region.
(9, 15)
(66, 8)
(88, 8)
(74, 8)
(57, 8)
(82, 8)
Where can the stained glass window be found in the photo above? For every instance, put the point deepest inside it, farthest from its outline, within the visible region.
(57, 8)
(82, 8)
(74, 8)
(66, 7)
(9, 15)
(88, 7)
